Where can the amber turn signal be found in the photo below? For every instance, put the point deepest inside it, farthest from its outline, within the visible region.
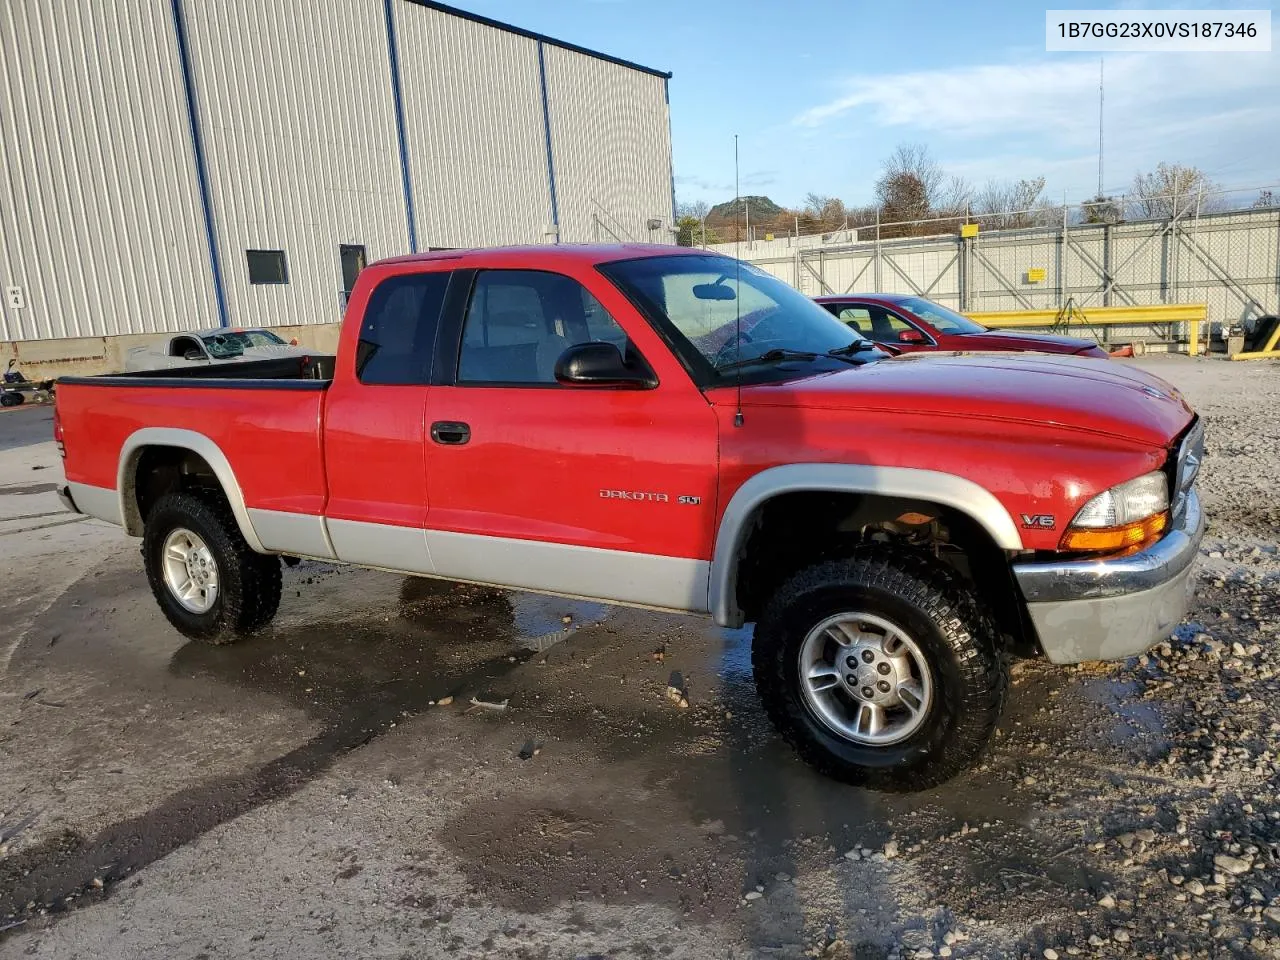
(1134, 534)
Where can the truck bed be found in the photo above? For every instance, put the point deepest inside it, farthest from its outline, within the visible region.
(264, 417)
(310, 368)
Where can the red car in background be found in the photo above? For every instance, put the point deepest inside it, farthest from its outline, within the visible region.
(903, 323)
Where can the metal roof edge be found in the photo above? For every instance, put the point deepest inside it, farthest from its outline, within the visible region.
(534, 35)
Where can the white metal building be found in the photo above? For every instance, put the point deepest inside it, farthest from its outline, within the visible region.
(175, 165)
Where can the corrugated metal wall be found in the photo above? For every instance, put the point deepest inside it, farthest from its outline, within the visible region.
(474, 128)
(100, 221)
(294, 102)
(612, 147)
(103, 226)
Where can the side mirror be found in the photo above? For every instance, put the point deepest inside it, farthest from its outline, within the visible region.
(910, 336)
(601, 365)
(193, 354)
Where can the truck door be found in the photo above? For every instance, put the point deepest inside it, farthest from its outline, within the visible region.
(592, 491)
(374, 431)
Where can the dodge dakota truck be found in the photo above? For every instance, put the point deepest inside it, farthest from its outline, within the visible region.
(672, 429)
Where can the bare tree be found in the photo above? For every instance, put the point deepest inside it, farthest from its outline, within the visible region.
(1170, 190)
(1010, 204)
(954, 197)
(1266, 200)
(698, 209)
(908, 189)
(814, 202)
(861, 216)
(904, 197)
(912, 161)
(822, 213)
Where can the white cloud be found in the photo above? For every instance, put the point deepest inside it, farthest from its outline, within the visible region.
(1217, 111)
(981, 99)
(1157, 105)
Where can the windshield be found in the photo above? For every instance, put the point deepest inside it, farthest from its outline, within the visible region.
(943, 319)
(223, 345)
(705, 300)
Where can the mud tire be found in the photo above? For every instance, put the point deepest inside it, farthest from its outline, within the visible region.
(940, 611)
(249, 583)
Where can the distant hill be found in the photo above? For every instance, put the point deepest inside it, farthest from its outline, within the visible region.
(762, 210)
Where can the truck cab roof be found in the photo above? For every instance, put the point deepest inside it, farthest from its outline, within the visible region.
(583, 254)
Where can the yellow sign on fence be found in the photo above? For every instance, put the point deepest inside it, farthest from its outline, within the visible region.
(968, 230)
(1035, 275)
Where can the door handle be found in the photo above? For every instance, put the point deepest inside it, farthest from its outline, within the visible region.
(450, 432)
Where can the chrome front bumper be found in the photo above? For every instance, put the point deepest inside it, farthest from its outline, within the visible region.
(1110, 609)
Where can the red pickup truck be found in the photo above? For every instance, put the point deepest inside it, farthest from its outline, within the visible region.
(676, 430)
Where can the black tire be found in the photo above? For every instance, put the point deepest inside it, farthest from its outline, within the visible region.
(248, 582)
(956, 636)
(10, 399)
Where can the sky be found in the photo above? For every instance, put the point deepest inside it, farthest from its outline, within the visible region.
(821, 91)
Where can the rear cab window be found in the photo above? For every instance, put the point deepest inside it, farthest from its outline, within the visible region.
(398, 333)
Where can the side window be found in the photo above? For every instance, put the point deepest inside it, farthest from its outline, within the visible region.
(179, 346)
(519, 322)
(886, 326)
(858, 319)
(601, 326)
(266, 266)
(398, 335)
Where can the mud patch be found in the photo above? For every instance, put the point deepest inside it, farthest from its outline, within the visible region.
(533, 852)
(358, 677)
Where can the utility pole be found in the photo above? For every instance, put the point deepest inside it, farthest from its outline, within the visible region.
(1100, 95)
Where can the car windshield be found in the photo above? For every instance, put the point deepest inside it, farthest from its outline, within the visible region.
(233, 344)
(707, 300)
(943, 319)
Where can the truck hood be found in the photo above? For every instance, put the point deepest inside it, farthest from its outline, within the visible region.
(1097, 396)
(1018, 340)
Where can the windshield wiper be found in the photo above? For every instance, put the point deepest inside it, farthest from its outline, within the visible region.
(858, 346)
(776, 355)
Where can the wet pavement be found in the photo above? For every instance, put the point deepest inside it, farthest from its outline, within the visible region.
(328, 788)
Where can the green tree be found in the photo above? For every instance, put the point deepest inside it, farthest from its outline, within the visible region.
(690, 232)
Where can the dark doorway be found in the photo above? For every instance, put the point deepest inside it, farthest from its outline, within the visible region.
(354, 259)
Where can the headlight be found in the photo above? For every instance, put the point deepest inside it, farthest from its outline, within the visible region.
(1127, 515)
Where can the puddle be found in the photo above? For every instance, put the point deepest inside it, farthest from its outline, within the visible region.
(1138, 723)
(542, 622)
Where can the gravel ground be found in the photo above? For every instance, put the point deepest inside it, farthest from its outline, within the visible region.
(328, 789)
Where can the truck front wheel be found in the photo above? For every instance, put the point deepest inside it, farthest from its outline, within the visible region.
(881, 669)
(210, 584)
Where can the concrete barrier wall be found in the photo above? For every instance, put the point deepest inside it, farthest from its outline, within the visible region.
(87, 356)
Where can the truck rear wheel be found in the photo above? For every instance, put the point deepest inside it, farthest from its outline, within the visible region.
(880, 669)
(210, 584)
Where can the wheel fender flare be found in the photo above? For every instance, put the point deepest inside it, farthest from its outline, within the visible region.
(198, 443)
(934, 486)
